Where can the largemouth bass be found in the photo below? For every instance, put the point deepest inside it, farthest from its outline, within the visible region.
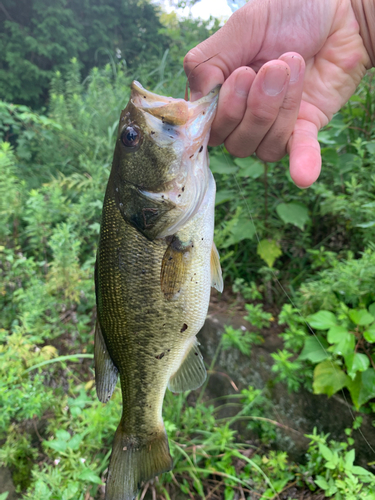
(156, 263)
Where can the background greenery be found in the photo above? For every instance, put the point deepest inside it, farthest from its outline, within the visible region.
(55, 157)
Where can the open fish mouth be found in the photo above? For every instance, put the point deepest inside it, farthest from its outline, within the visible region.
(184, 126)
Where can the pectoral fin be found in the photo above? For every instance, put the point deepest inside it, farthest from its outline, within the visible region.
(192, 372)
(216, 274)
(174, 268)
(105, 371)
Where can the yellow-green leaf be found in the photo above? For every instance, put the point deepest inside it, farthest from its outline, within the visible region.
(269, 251)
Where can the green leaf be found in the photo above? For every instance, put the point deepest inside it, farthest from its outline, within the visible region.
(345, 346)
(224, 196)
(89, 475)
(269, 251)
(356, 362)
(369, 334)
(321, 482)
(4, 496)
(362, 388)
(371, 309)
(360, 471)
(328, 378)
(221, 165)
(293, 213)
(370, 146)
(314, 350)
(361, 317)
(336, 333)
(249, 167)
(325, 452)
(244, 229)
(75, 441)
(322, 320)
(57, 445)
(62, 435)
(349, 460)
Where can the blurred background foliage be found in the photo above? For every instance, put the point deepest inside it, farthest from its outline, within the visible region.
(65, 72)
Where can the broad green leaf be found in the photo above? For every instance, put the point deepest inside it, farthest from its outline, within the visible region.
(57, 445)
(362, 388)
(322, 320)
(321, 482)
(314, 349)
(361, 317)
(4, 496)
(360, 471)
(249, 167)
(345, 346)
(293, 213)
(348, 162)
(244, 229)
(222, 165)
(349, 460)
(89, 475)
(269, 251)
(356, 362)
(369, 334)
(75, 441)
(370, 146)
(371, 309)
(325, 451)
(224, 196)
(62, 435)
(328, 378)
(336, 333)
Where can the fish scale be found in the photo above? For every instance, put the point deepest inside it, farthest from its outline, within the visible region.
(153, 287)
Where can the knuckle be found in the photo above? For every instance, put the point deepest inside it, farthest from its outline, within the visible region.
(236, 150)
(263, 116)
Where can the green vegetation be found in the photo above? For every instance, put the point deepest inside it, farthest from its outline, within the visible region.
(55, 435)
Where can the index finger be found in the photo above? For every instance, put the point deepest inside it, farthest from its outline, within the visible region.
(234, 45)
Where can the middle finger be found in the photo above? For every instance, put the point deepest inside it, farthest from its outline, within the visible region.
(264, 101)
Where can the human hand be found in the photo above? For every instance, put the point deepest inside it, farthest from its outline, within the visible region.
(286, 67)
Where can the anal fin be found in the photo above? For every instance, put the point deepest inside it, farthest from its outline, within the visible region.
(216, 274)
(105, 371)
(192, 372)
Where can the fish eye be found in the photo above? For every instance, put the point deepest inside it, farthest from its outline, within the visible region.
(131, 136)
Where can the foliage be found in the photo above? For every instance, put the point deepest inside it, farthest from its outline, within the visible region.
(55, 435)
(40, 37)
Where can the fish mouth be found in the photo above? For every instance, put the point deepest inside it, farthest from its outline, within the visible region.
(185, 127)
(170, 110)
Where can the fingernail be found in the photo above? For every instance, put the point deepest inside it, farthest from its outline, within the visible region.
(294, 64)
(274, 80)
(242, 84)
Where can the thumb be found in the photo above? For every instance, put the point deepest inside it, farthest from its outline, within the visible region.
(234, 45)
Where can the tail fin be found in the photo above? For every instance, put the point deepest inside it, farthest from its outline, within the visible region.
(135, 461)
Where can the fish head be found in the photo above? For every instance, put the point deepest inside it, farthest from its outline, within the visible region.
(161, 166)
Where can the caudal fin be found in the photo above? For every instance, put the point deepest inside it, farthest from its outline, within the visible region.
(135, 461)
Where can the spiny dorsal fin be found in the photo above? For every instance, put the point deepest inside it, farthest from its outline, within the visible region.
(216, 274)
(174, 267)
(192, 372)
(105, 371)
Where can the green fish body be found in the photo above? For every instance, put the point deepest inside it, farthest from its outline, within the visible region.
(156, 263)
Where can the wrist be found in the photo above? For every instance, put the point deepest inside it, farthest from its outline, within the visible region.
(364, 11)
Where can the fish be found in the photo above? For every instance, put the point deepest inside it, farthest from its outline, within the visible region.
(156, 263)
